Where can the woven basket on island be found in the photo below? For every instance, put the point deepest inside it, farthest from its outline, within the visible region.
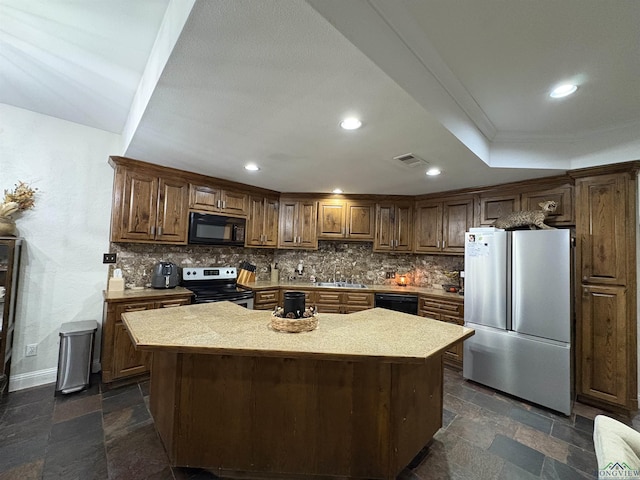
(306, 323)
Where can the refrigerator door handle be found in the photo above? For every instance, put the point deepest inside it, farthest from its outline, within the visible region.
(509, 286)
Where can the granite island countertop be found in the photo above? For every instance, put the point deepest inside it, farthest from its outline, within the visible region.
(225, 328)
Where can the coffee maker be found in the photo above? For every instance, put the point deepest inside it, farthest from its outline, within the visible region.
(165, 275)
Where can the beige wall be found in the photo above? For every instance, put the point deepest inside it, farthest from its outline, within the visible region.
(61, 275)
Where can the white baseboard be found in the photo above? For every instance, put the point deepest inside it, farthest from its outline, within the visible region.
(40, 377)
(32, 379)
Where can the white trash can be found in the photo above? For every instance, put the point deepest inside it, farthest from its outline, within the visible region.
(76, 355)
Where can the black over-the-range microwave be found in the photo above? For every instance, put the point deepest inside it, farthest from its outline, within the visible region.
(208, 229)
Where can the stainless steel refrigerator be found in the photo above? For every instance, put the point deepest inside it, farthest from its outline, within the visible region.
(517, 297)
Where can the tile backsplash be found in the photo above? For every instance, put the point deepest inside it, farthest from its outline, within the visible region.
(333, 260)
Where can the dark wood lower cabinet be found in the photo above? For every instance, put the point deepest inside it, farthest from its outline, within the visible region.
(127, 361)
(270, 417)
(120, 360)
(327, 301)
(605, 352)
(445, 310)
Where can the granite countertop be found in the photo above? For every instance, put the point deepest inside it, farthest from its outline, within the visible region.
(229, 329)
(135, 294)
(139, 293)
(371, 288)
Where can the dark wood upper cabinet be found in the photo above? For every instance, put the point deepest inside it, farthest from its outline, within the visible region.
(494, 206)
(442, 223)
(331, 219)
(262, 222)
(149, 208)
(210, 198)
(563, 196)
(394, 227)
(428, 236)
(602, 217)
(298, 224)
(360, 220)
(340, 219)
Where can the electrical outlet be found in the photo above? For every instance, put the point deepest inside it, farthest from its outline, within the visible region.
(31, 350)
(391, 275)
(108, 258)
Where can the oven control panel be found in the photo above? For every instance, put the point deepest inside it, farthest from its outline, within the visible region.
(209, 273)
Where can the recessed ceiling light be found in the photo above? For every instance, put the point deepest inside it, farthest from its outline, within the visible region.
(432, 172)
(351, 123)
(252, 167)
(563, 90)
(337, 190)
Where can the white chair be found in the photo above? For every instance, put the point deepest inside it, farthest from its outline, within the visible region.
(617, 447)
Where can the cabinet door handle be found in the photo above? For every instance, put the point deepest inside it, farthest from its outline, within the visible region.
(153, 230)
(159, 231)
(585, 278)
(438, 244)
(217, 203)
(224, 204)
(444, 244)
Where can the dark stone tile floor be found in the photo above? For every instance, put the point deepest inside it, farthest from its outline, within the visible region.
(104, 433)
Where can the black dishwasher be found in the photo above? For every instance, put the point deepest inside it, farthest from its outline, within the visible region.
(399, 302)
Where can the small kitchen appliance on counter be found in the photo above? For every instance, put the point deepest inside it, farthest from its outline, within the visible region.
(216, 284)
(165, 275)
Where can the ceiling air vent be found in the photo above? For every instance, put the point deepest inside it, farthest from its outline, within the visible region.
(410, 160)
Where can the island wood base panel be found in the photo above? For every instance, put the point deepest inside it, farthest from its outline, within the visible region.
(259, 417)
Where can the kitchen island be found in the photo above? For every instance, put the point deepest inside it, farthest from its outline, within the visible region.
(358, 397)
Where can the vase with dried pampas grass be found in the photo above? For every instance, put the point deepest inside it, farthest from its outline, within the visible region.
(21, 198)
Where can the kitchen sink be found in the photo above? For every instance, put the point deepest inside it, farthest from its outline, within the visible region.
(340, 284)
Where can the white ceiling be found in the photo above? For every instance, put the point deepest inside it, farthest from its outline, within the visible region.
(209, 85)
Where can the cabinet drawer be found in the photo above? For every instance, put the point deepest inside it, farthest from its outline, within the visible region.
(427, 303)
(266, 296)
(179, 302)
(308, 297)
(328, 297)
(358, 299)
(452, 319)
(430, 314)
(132, 307)
(329, 308)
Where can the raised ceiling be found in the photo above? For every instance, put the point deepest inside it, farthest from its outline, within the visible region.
(208, 86)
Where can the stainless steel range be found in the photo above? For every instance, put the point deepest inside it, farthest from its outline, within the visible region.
(216, 284)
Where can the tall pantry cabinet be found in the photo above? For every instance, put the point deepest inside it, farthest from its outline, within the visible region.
(606, 309)
(10, 248)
